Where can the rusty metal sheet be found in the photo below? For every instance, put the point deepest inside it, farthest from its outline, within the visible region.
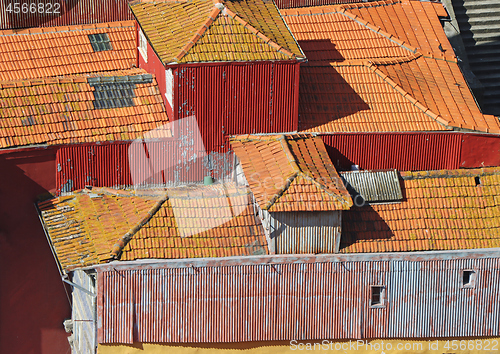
(255, 299)
(50, 13)
(373, 186)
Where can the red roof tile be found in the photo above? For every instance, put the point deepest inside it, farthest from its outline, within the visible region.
(92, 227)
(62, 111)
(64, 51)
(441, 210)
(381, 66)
(290, 173)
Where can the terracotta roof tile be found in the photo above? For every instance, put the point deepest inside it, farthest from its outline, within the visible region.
(64, 50)
(442, 210)
(92, 227)
(381, 66)
(290, 173)
(68, 110)
(199, 31)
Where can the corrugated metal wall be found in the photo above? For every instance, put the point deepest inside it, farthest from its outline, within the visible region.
(402, 151)
(84, 315)
(304, 232)
(286, 4)
(302, 301)
(61, 12)
(237, 98)
(108, 165)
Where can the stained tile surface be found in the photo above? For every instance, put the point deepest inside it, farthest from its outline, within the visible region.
(207, 31)
(92, 227)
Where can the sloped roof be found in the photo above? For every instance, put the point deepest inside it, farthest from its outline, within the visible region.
(381, 66)
(441, 210)
(212, 31)
(55, 51)
(108, 106)
(95, 226)
(290, 173)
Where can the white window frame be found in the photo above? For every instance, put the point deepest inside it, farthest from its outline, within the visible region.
(169, 87)
(143, 45)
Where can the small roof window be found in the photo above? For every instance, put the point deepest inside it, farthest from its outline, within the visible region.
(100, 42)
(373, 186)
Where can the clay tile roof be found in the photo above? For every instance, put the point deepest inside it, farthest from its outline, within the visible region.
(204, 31)
(108, 106)
(441, 210)
(290, 173)
(93, 227)
(381, 66)
(25, 54)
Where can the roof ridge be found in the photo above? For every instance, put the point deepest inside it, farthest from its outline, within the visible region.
(457, 173)
(212, 16)
(359, 5)
(400, 90)
(258, 33)
(378, 30)
(125, 239)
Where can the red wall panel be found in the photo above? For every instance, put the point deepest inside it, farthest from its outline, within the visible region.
(402, 151)
(61, 12)
(33, 303)
(237, 98)
(480, 150)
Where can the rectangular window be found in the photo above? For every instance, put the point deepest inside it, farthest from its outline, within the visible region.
(100, 42)
(169, 89)
(377, 296)
(468, 278)
(143, 46)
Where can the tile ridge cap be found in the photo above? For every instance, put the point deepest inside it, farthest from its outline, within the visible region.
(392, 38)
(259, 34)
(212, 16)
(374, 68)
(125, 239)
(339, 196)
(366, 5)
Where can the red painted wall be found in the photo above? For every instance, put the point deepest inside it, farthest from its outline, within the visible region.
(154, 66)
(237, 98)
(33, 303)
(62, 13)
(480, 150)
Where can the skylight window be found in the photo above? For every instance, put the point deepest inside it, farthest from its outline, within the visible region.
(373, 186)
(100, 42)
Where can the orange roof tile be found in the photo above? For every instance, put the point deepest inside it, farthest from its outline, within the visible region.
(25, 54)
(205, 31)
(290, 173)
(69, 110)
(92, 227)
(381, 66)
(441, 210)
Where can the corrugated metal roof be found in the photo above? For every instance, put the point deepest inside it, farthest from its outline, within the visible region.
(373, 186)
(328, 297)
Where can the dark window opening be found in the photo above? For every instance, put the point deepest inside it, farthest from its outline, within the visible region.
(377, 295)
(477, 180)
(100, 42)
(468, 278)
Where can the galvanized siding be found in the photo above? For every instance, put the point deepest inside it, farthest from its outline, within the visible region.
(304, 232)
(84, 315)
(71, 13)
(237, 98)
(402, 151)
(302, 301)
